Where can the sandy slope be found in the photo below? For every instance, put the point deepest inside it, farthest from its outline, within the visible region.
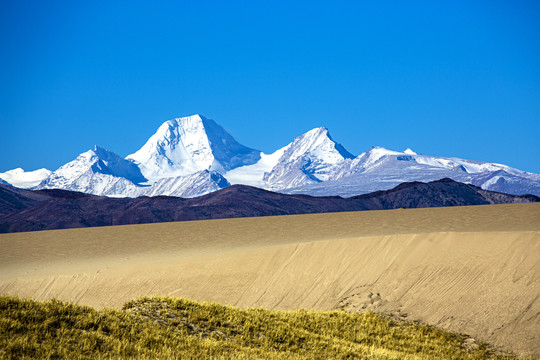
(469, 269)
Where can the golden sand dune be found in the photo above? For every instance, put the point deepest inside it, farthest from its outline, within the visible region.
(469, 269)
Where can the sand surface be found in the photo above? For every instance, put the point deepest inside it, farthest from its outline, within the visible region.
(472, 269)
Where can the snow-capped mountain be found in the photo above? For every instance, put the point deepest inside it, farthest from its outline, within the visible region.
(98, 172)
(178, 160)
(382, 169)
(24, 179)
(102, 172)
(188, 145)
(311, 158)
(509, 183)
(193, 155)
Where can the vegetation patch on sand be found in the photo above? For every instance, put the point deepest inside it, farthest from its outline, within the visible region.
(165, 328)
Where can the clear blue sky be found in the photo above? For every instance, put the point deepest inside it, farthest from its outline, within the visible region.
(445, 78)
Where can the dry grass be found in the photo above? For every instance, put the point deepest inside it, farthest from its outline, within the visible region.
(166, 328)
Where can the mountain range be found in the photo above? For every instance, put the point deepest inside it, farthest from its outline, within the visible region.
(192, 156)
(32, 210)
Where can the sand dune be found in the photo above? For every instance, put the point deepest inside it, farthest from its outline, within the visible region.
(469, 269)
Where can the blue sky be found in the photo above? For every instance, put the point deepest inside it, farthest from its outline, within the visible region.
(453, 78)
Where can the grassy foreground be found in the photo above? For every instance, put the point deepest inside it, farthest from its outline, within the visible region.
(171, 328)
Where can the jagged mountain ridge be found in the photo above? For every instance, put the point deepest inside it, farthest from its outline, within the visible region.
(101, 172)
(27, 210)
(382, 169)
(193, 155)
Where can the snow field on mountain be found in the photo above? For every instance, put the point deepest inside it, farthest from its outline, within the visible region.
(253, 174)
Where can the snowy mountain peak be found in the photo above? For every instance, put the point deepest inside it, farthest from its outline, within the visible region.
(190, 144)
(316, 143)
(108, 162)
(409, 152)
(102, 152)
(316, 132)
(373, 156)
(95, 171)
(312, 157)
(24, 179)
(377, 152)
